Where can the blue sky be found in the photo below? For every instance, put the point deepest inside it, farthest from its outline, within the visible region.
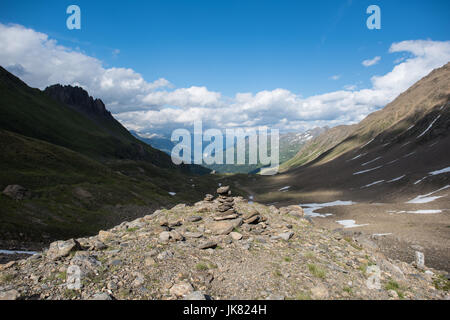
(239, 46)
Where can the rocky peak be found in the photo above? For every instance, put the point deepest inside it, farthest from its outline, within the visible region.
(77, 98)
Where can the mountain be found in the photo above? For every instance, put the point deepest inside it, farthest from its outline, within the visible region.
(389, 174)
(81, 168)
(289, 144)
(413, 107)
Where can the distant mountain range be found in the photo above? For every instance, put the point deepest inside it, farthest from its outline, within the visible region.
(290, 144)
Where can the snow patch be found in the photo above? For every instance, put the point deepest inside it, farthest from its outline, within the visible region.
(358, 156)
(366, 163)
(420, 180)
(423, 211)
(405, 144)
(310, 208)
(17, 252)
(393, 161)
(398, 178)
(426, 197)
(284, 188)
(372, 184)
(445, 170)
(172, 193)
(350, 223)
(364, 171)
(429, 127)
(367, 143)
(409, 154)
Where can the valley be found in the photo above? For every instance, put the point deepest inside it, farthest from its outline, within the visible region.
(381, 185)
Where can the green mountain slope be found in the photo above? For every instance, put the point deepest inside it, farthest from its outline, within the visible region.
(83, 173)
(33, 113)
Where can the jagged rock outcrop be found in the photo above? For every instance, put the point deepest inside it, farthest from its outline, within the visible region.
(79, 99)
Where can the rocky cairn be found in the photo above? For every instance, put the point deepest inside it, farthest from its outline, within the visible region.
(226, 209)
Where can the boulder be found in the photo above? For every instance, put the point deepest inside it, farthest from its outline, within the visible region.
(9, 295)
(105, 235)
(223, 190)
(207, 244)
(224, 227)
(59, 249)
(16, 192)
(236, 236)
(181, 289)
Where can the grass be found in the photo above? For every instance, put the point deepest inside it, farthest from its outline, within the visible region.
(348, 290)
(441, 283)
(203, 266)
(287, 259)
(363, 268)
(132, 229)
(392, 285)
(277, 273)
(316, 271)
(7, 277)
(70, 294)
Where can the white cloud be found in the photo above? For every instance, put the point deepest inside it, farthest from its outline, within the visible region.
(43, 62)
(158, 107)
(184, 97)
(371, 62)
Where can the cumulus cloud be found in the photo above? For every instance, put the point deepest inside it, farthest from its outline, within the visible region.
(40, 62)
(371, 62)
(157, 106)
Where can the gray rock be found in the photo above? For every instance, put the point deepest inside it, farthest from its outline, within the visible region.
(196, 295)
(98, 245)
(223, 190)
(87, 264)
(224, 227)
(16, 192)
(193, 218)
(207, 244)
(165, 255)
(236, 236)
(164, 236)
(9, 295)
(286, 235)
(139, 280)
(101, 296)
(112, 285)
(59, 249)
(193, 234)
(181, 289)
(116, 262)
